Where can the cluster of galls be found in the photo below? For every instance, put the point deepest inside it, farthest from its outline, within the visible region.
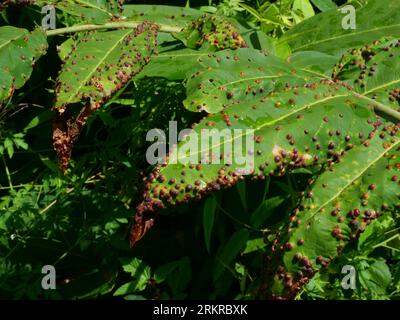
(294, 282)
(158, 191)
(287, 160)
(178, 190)
(360, 219)
(218, 32)
(362, 59)
(7, 3)
(115, 6)
(395, 96)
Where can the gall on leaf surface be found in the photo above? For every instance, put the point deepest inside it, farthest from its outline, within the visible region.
(230, 77)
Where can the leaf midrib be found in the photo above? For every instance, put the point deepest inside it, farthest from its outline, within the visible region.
(13, 39)
(228, 84)
(339, 36)
(290, 114)
(75, 94)
(381, 86)
(355, 178)
(271, 122)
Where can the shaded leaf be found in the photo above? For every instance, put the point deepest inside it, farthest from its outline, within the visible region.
(208, 219)
(231, 249)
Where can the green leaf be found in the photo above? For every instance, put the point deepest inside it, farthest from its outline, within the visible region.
(373, 70)
(9, 145)
(379, 232)
(313, 62)
(173, 65)
(139, 271)
(241, 187)
(49, 164)
(41, 118)
(169, 15)
(230, 250)
(208, 219)
(177, 274)
(305, 7)
(327, 126)
(227, 77)
(337, 207)
(264, 211)
(254, 245)
(19, 50)
(134, 266)
(132, 287)
(324, 5)
(325, 33)
(95, 11)
(293, 129)
(94, 72)
(376, 278)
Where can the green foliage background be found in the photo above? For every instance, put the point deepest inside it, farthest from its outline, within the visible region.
(80, 222)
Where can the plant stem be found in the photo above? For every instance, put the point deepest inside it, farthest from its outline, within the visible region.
(109, 25)
(8, 174)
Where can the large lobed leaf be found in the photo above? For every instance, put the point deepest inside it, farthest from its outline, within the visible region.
(346, 198)
(293, 127)
(329, 125)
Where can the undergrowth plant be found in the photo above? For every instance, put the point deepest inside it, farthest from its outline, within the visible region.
(323, 104)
